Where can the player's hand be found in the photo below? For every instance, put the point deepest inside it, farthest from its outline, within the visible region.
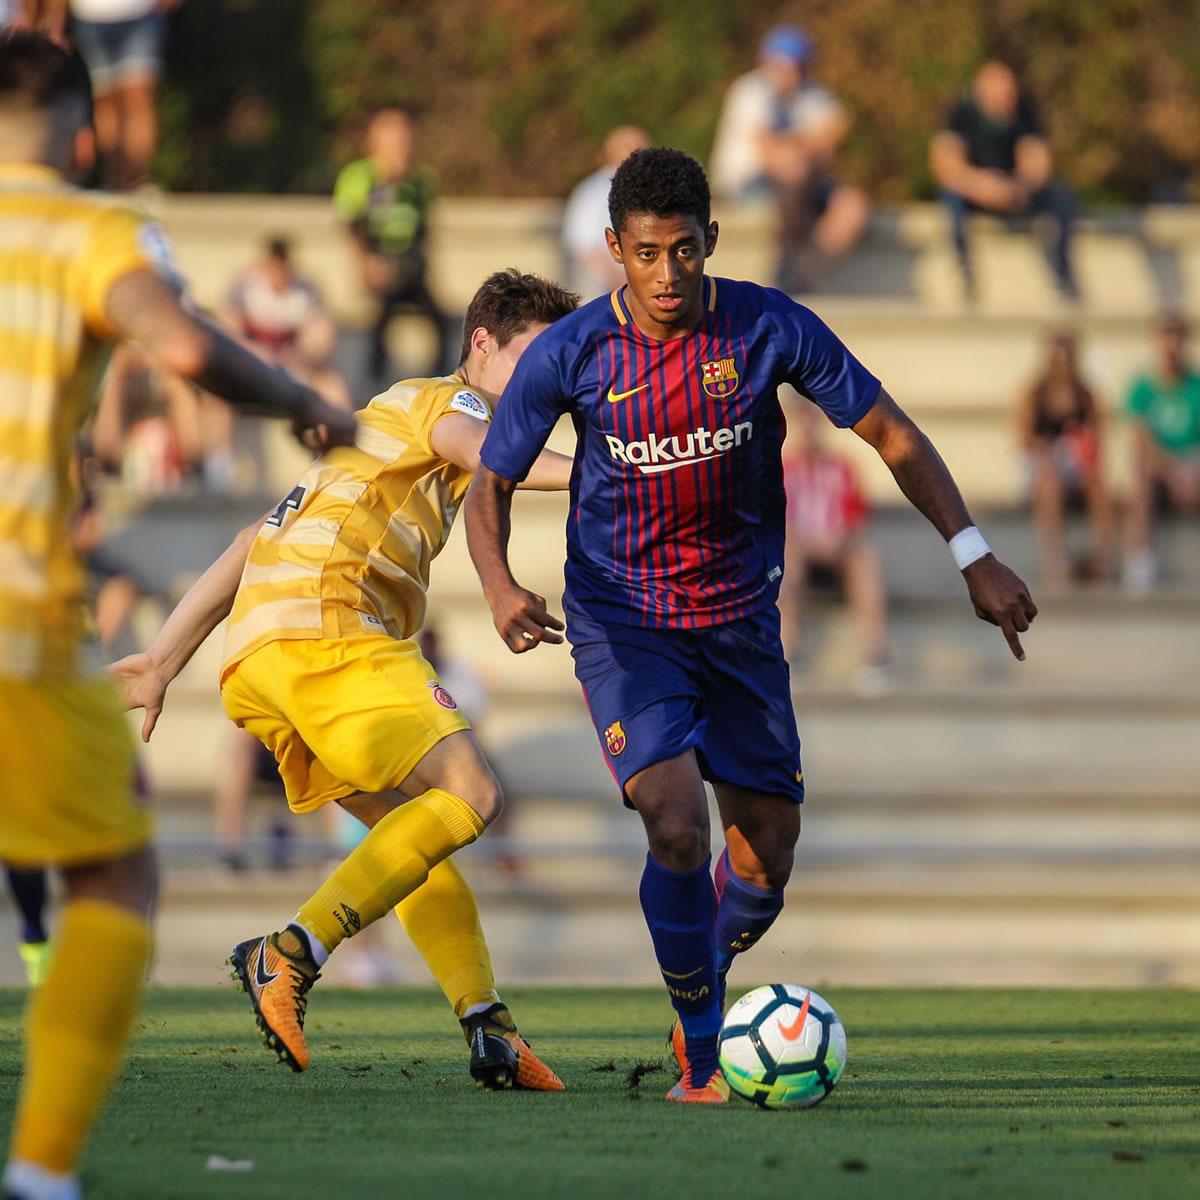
(140, 684)
(324, 426)
(1001, 598)
(523, 620)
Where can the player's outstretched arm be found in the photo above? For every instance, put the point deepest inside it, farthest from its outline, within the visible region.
(459, 439)
(145, 309)
(998, 594)
(142, 679)
(520, 616)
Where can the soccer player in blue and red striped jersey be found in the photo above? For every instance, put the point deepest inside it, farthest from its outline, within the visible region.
(674, 558)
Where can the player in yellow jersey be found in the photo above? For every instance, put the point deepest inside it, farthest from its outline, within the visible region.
(322, 667)
(78, 272)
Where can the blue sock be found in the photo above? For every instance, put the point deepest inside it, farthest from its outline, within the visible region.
(744, 914)
(29, 891)
(679, 909)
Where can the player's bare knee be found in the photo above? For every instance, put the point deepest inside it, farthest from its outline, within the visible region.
(486, 797)
(129, 881)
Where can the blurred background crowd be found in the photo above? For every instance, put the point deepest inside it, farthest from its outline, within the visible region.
(993, 203)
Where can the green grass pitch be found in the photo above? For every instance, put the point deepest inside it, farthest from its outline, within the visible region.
(947, 1094)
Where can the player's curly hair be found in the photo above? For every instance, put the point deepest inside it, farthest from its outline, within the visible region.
(508, 302)
(661, 181)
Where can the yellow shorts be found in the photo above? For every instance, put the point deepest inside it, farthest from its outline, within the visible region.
(341, 715)
(66, 774)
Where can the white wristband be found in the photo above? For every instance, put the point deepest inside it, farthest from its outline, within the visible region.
(968, 546)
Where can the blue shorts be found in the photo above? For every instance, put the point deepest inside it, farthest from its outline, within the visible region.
(119, 51)
(724, 692)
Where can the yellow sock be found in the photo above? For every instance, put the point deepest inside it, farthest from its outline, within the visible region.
(78, 1026)
(393, 860)
(442, 920)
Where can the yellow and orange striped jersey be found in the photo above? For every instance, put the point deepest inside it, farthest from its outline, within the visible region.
(61, 249)
(347, 552)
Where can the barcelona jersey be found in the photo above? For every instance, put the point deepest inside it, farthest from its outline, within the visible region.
(677, 497)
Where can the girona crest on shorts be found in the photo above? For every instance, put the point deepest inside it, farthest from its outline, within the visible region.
(442, 696)
(614, 738)
(720, 377)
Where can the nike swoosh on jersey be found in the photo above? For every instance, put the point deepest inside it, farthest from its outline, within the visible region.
(261, 977)
(617, 397)
(791, 1032)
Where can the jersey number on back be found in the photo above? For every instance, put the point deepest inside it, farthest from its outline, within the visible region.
(290, 503)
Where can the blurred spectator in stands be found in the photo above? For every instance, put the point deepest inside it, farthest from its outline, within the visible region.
(16, 14)
(993, 157)
(246, 767)
(114, 583)
(386, 203)
(122, 43)
(147, 425)
(1059, 431)
(590, 267)
(1164, 404)
(46, 15)
(281, 314)
(827, 540)
(777, 136)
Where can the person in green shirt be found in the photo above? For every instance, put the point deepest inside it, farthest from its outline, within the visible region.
(1164, 405)
(386, 204)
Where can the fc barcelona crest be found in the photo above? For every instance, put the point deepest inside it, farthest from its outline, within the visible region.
(614, 738)
(720, 377)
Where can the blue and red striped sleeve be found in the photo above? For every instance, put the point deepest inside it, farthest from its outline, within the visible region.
(526, 413)
(818, 364)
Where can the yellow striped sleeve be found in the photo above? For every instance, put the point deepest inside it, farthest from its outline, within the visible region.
(117, 246)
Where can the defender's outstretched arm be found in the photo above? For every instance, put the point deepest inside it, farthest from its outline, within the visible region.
(144, 309)
(998, 594)
(142, 679)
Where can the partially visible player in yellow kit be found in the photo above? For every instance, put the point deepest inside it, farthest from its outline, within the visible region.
(78, 272)
(322, 667)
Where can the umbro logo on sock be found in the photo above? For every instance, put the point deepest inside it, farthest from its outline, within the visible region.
(348, 919)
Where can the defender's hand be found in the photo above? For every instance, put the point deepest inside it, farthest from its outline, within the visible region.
(324, 426)
(140, 684)
(523, 620)
(1001, 598)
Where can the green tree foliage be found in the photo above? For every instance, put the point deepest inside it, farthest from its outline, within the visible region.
(515, 96)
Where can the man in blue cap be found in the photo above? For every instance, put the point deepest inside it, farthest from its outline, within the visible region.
(778, 135)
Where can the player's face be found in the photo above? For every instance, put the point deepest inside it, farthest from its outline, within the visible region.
(663, 259)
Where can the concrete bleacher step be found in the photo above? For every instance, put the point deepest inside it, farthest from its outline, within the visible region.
(992, 740)
(1129, 264)
(1078, 646)
(171, 540)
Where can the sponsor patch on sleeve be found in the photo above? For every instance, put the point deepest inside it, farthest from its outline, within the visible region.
(472, 405)
(154, 243)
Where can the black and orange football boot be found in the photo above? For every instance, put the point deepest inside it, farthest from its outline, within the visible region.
(276, 972)
(501, 1058)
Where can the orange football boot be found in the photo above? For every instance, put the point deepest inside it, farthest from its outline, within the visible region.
(277, 978)
(501, 1058)
(715, 1091)
(677, 1044)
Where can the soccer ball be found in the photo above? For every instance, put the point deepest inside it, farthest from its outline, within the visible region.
(782, 1046)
